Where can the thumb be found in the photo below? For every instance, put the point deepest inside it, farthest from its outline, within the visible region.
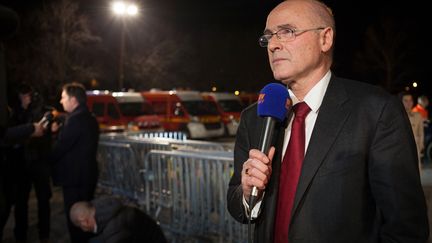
(271, 153)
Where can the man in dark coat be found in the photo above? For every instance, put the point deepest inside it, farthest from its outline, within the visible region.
(113, 222)
(359, 179)
(33, 166)
(11, 135)
(74, 154)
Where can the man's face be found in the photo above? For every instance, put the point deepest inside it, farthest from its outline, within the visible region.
(25, 100)
(408, 102)
(294, 59)
(87, 224)
(426, 102)
(68, 102)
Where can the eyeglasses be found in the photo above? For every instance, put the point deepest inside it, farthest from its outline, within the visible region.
(283, 34)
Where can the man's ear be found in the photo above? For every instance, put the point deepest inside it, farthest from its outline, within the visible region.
(83, 222)
(327, 39)
(74, 100)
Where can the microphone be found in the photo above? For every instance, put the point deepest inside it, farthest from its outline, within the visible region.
(46, 119)
(273, 104)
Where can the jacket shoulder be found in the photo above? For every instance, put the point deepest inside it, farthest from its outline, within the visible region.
(361, 89)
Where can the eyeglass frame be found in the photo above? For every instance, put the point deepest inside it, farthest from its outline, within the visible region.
(294, 32)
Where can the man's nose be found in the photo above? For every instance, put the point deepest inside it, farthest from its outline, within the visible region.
(274, 43)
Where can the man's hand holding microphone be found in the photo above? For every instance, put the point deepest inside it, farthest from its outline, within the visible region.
(256, 172)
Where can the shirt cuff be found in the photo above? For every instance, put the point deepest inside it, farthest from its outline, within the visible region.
(256, 210)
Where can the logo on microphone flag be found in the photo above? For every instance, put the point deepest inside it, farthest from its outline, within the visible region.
(288, 103)
(261, 98)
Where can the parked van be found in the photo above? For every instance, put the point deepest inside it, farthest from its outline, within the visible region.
(122, 111)
(186, 111)
(229, 107)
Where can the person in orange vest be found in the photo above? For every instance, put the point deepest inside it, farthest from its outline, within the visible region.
(421, 107)
(422, 103)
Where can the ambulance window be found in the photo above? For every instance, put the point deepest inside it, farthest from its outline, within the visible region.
(200, 107)
(159, 107)
(98, 109)
(112, 112)
(147, 109)
(231, 105)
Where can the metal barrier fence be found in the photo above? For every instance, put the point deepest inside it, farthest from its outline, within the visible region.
(188, 193)
(182, 184)
(186, 144)
(120, 165)
(148, 134)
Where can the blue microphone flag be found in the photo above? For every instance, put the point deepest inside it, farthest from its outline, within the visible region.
(274, 101)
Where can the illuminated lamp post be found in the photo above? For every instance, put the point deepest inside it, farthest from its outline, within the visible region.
(124, 10)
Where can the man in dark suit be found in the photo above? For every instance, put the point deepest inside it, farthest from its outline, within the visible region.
(74, 154)
(359, 179)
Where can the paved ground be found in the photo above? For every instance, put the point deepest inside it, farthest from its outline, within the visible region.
(58, 220)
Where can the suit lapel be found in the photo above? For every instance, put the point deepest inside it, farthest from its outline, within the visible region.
(332, 115)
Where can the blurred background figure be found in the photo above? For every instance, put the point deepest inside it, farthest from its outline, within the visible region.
(34, 168)
(421, 107)
(8, 26)
(416, 121)
(113, 222)
(8, 167)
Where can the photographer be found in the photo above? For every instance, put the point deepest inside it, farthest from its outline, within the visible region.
(33, 166)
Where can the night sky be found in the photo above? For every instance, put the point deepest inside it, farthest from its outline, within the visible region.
(225, 33)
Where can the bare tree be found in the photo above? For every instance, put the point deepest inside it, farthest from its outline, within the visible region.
(56, 51)
(386, 54)
(159, 55)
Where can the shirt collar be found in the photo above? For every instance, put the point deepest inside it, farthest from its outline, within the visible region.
(95, 228)
(315, 96)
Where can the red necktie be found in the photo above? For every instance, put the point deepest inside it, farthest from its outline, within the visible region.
(290, 173)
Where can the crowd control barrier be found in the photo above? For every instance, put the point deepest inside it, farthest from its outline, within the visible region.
(180, 183)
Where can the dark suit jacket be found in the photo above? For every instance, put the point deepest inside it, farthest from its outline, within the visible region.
(74, 154)
(359, 181)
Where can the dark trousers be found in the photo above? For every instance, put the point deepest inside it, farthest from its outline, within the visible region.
(71, 195)
(38, 177)
(8, 172)
(5, 206)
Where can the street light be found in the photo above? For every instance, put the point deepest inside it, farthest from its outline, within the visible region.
(124, 10)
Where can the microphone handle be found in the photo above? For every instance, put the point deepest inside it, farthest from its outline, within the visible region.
(43, 120)
(265, 141)
(46, 120)
(267, 134)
